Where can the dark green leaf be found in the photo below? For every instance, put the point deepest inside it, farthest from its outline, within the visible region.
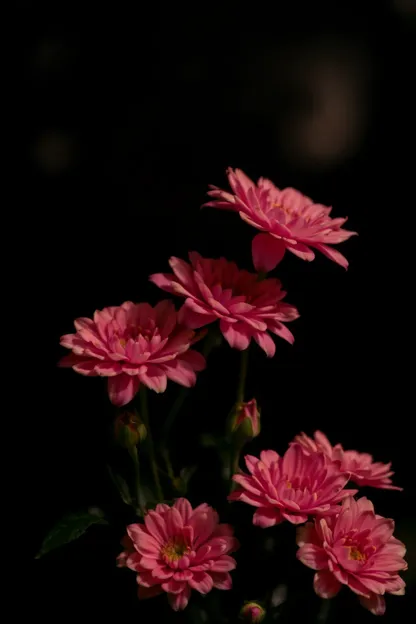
(122, 487)
(69, 528)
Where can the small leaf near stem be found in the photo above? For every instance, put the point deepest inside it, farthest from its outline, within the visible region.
(144, 411)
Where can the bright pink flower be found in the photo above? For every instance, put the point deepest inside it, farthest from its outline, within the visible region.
(355, 548)
(133, 344)
(360, 466)
(291, 487)
(218, 290)
(287, 219)
(179, 549)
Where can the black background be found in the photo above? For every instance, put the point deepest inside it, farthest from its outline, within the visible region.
(130, 114)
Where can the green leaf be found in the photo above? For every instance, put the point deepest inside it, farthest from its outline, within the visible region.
(121, 485)
(69, 528)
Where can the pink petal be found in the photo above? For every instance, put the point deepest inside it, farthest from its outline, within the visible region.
(173, 521)
(265, 517)
(154, 378)
(325, 584)
(202, 582)
(236, 334)
(156, 526)
(302, 251)
(281, 330)
(221, 580)
(313, 556)
(294, 518)
(108, 369)
(173, 587)
(178, 602)
(203, 524)
(332, 254)
(149, 592)
(185, 509)
(375, 604)
(268, 457)
(86, 367)
(163, 572)
(194, 320)
(122, 389)
(267, 252)
(266, 343)
(224, 563)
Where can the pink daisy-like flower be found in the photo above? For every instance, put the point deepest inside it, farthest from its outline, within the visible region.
(361, 467)
(355, 548)
(133, 344)
(286, 218)
(179, 549)
(218, 290)
(291, 487)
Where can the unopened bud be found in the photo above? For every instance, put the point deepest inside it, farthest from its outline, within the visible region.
(129, 429)
(252, 612)
(246, 419)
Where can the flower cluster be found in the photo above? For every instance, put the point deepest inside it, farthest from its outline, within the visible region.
(179, 549)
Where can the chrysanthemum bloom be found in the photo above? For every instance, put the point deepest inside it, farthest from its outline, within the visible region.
(355, 548)
(133, 344)
(361, 467)
(286, 218)
(291, 487)
(179, 549)
(218, 290)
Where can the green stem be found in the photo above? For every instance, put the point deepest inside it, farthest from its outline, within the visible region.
(135, 457)
(144, 413)
(242, 377)
(168, 463)
(211, 341)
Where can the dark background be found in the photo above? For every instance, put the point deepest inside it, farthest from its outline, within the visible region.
(130, 113)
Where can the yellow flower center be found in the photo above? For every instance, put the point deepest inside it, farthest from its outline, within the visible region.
(175, 549)
(356, 554)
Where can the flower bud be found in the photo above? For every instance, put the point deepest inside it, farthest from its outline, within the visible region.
(246, 419)
(252, 612)
(129, 429)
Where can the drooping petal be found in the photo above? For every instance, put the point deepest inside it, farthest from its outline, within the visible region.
(267, 252)
(178, 602)
(313, 556)
(122, 389)
(325, 584)
(332, 254)
(376, 604)
(265, 517)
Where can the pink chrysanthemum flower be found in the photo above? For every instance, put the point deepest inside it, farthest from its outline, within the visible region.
(133, 344)
(291, 487)
(355, 548)
(179, 549)
(286, 218)
(361, 467)
(219, 290)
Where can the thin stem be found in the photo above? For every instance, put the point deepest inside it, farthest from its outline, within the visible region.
(168, 463)
(324, 610)
(144, 413)
(135, 457)
(211, 341)
(242, 377)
